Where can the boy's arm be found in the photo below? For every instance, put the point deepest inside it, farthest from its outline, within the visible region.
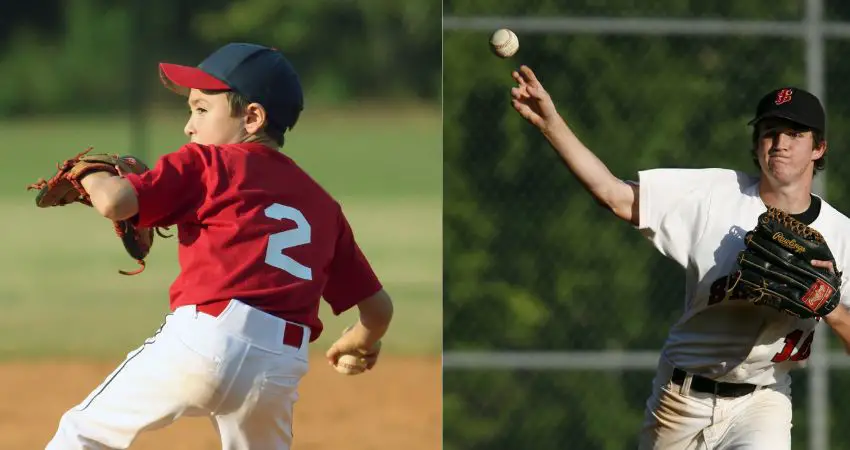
(535, 105)
(112, 196)
(352, 282)
(839, 321)
(376, 312)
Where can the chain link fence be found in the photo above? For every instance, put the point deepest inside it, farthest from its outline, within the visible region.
(554, 311)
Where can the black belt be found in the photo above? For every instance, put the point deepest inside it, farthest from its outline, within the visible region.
(709, 386)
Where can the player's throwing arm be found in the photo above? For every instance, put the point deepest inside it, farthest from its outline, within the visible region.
(533, 103)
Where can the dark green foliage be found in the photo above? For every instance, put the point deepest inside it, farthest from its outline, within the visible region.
(531, 262)
(90, 56)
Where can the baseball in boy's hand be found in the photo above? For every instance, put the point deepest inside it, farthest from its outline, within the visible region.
(350, 364)
(347, 359)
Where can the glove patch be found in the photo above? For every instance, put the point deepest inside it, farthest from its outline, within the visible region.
(817, 295)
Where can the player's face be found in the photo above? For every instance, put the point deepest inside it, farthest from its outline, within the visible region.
(785, 151)
(210, 122)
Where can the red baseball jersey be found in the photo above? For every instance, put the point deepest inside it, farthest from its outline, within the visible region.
(252, 225)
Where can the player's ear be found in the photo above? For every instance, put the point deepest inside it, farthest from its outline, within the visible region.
(819, 151)
(254, 118)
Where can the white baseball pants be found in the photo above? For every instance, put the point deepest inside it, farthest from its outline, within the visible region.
(233, 368)
(680, 419)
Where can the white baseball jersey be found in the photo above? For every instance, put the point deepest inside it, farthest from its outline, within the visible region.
(698, 217)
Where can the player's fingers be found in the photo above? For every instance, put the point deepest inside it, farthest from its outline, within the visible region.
(527, 113)
(517, 77)
(521, 108)
(371, 360)
(332, 355)
(518, 93)
(528, 74)
(824, 265)
(537, 92)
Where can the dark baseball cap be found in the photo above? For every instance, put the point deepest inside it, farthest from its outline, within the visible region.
(262, 74)
(794, 104)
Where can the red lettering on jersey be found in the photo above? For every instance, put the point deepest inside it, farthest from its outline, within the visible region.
(783, 96)
(805, 349)
(790, 343)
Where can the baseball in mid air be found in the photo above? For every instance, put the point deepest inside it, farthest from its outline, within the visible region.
(504, 43)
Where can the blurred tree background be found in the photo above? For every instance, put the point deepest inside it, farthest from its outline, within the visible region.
(532, 263)
(72, 56)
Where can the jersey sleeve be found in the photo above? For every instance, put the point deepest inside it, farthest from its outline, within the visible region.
(841, 252)
(844, 291)
(172, 190)
(674, 207)
(350, 276)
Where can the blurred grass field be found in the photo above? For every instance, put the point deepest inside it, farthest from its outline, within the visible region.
(62, 297)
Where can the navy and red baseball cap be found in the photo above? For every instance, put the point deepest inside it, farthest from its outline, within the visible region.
(794, 104)
(261, 74)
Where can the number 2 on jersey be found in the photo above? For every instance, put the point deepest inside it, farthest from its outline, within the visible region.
(791, 343)
(279, 242)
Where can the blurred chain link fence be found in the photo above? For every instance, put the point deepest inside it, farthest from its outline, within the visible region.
(554, 312)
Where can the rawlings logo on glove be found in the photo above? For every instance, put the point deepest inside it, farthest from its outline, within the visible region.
(776, 269)
(64, 188)
(790, 244)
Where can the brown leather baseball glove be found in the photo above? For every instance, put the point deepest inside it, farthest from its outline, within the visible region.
(64, 188)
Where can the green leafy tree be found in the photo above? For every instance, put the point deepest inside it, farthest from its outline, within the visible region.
(348, 50)
(100, 56)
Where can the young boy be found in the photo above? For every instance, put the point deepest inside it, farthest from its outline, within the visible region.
(260, 242)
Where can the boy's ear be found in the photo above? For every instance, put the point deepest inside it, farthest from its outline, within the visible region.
(820, 150)
(255, 118)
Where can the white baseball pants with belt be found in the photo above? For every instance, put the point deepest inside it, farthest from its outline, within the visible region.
(679, 418)
(234, 368)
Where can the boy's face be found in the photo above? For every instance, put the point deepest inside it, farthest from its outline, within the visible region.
(210, 122)
(786, 151)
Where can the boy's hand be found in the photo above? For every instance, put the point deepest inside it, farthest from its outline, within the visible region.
(353, 340)
(531, 100)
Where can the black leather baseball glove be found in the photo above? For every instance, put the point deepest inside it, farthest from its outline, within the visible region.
(776, 269)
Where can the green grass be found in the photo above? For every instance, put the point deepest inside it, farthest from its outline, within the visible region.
(356, 154)
(62, 297)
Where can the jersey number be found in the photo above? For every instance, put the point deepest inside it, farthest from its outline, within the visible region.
(279, 242)
(791, 343)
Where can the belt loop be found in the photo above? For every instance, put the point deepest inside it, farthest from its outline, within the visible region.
(685, 389)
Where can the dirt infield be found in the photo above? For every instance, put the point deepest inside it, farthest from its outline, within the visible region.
(398, 405)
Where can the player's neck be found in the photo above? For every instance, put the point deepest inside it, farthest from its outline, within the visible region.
(793, 198)
(260, 139)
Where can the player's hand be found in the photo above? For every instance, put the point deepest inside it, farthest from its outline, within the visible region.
(824, 265)
(531, 100)
(371, 357)
(353, 342)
